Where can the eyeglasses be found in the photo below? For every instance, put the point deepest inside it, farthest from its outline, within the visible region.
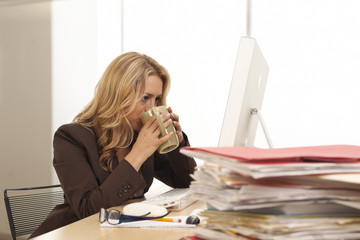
(115, 217)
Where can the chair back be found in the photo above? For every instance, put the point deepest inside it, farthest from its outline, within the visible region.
(28, 207)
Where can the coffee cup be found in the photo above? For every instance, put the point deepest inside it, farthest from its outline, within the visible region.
(173, 142)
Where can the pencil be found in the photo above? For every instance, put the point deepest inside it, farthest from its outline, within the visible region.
(168, 220)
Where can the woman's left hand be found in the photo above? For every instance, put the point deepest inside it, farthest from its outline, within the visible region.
(175, 119)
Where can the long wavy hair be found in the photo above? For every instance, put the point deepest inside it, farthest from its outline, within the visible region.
(119, 89)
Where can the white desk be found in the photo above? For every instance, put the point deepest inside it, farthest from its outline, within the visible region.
(89, 228)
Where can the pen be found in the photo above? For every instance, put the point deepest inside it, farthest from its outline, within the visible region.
(168, 220)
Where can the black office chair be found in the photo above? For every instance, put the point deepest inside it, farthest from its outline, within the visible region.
(28, 207)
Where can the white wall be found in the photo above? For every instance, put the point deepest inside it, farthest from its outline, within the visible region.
(313, 49)
(25, 100)
(51, 57)
(86, 36)
(197, 42)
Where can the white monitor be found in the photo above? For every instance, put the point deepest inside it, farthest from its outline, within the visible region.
(246, 95)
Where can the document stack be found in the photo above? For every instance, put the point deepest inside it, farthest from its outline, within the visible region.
(302, 193)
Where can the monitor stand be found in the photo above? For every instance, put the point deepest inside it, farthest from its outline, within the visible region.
(256, 112)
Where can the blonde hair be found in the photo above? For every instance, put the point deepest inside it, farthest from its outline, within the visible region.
(121, 86)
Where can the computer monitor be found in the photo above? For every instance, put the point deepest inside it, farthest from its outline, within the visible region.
(245, 96)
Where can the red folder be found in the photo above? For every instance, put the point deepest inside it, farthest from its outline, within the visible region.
(313, 154)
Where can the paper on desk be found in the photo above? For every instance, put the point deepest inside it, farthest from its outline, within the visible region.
(214, 233)
(261, 163)
(216, 176)
(278, 198)
(151, 224)
(284, 227)
(250, 194)
(329, 153)
(268, 225)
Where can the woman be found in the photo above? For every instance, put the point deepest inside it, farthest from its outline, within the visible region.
(107, 156)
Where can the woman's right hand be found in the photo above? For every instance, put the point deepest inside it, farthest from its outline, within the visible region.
(147, 141)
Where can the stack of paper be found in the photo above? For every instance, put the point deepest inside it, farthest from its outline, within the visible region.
(289, 193)
(152, 224)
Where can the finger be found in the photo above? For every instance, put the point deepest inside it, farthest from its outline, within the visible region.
(151, 124)
(166, 117)
(174, 117)
(165, 138)
(180, 136)
(177, 126)
(156, 133)
(170, 110)
(167, 123)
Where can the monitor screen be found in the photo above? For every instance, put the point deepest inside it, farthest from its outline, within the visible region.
(246, 94)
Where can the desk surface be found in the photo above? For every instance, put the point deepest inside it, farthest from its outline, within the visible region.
(89, 228)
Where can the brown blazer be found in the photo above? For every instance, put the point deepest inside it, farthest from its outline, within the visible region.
(88, 187)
